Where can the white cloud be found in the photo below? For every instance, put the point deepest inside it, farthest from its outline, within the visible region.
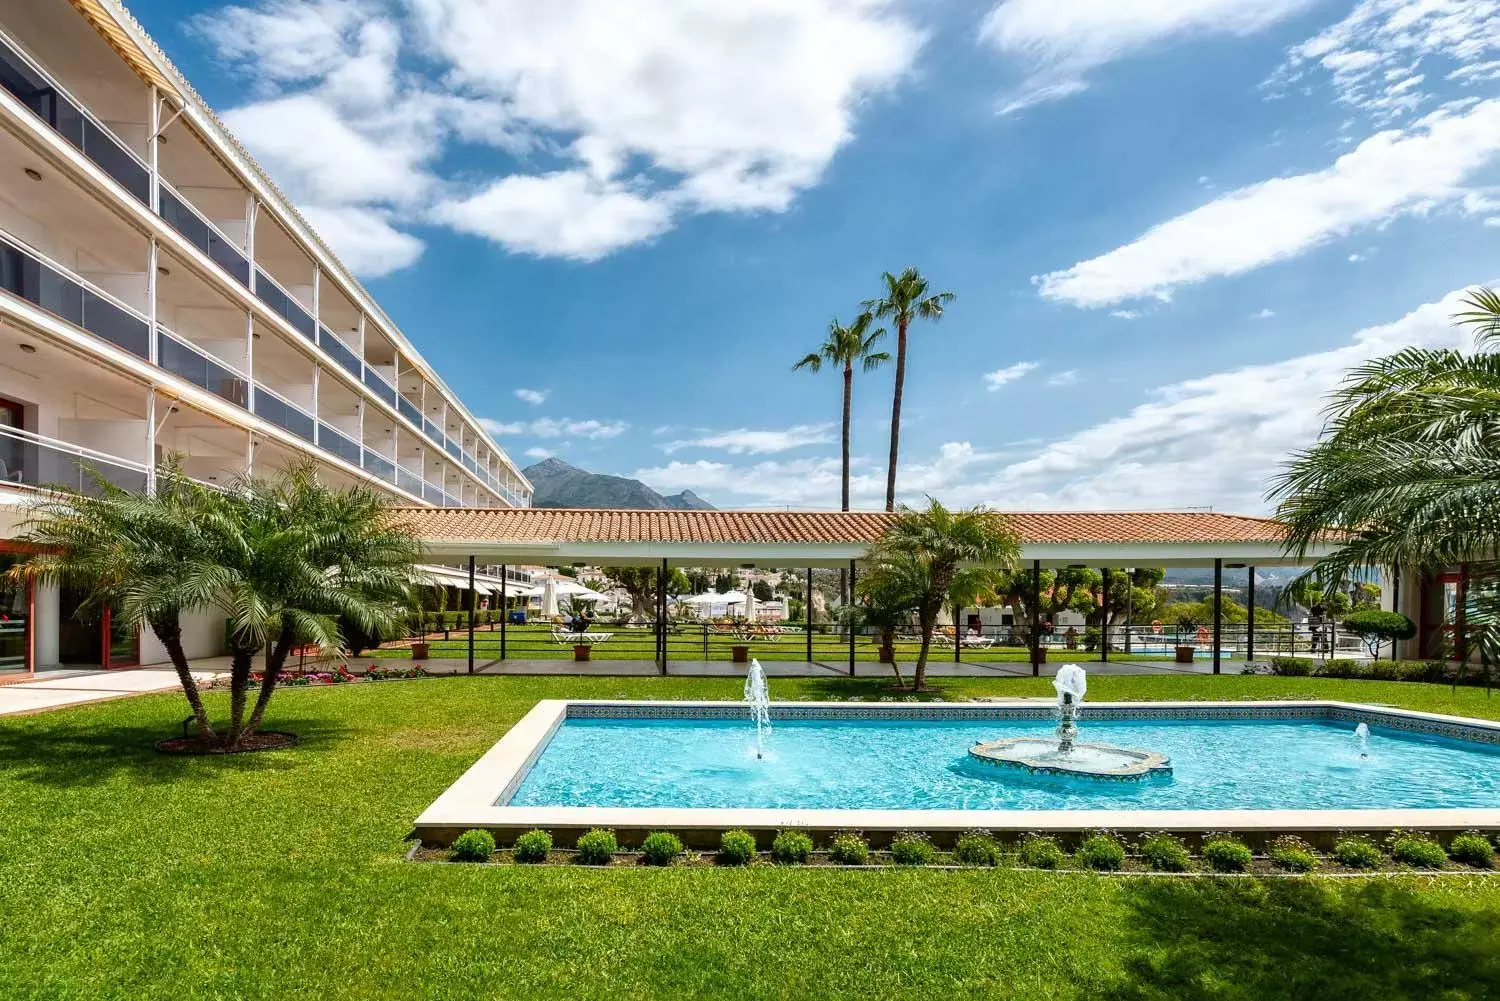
(1392, 173)
(556, 427)
(1068, 377)
(1125, 314)
(1378, 57)
(1265, 314)
(1356, 258)
(539, 453)
(998, 378)
(1057, 42)
(536, 397)
(757, 442)
(624, 117)
(363, 238)
(1493, 220)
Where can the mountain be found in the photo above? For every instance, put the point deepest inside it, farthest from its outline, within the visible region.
(559, 484)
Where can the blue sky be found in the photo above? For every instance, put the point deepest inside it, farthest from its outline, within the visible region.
(614, 227)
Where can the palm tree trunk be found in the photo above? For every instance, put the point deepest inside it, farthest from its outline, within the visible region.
(890, 471)
(279, 652)
(919, 676)
(169, 631)
(848, 398)
(241, 661)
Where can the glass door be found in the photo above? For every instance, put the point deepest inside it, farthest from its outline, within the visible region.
(15, 608)
(123, 641)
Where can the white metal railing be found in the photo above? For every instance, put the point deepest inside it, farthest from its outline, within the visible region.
(73, 276)
(188, 203)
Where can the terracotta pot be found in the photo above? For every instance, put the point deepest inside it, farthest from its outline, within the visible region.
(1041, 655)
(1185, 654)
(420, 651)
(581, 651)
(887, 654)
(739, 654)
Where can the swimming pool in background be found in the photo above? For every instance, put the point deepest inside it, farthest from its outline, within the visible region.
(1218, 764)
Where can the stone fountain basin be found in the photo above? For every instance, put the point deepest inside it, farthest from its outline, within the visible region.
(1040, 756)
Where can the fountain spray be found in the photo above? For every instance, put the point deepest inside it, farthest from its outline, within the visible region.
(758, 697)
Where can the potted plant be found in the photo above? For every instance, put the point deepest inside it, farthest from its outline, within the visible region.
(581, 651)
(1186, 651)
(420, 650)
(739, 654)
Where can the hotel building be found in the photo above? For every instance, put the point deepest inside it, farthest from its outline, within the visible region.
(159, 296)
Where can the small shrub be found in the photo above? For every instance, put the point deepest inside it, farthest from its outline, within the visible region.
(1101, 851)
(912, 849)
(660, 848)
(1039, 851)
(849, 849)
(1472, 848)
(791, 847)
(1356, 853)
(597, 847)
(1166, 853)
(976, 848)
(1291, 667)
(474, 846)
(1292, 854)
(1225, 854)
(736, 848)
(533, 846)
(1417, 851)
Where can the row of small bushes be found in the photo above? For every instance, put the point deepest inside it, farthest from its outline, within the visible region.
(1101, 850)
(1374, 670)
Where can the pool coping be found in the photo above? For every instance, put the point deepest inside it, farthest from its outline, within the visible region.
(470, 801)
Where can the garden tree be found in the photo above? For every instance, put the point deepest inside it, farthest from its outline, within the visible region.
(847, 346)
(698, 581)
(723, 584)
(1308, 591)
(762, 591)
(641, 584)
(1202, 612)
(907, 297)
(1376, 627)
(1132, 593)
(1071, 588)
(284, 559)
(926, 557)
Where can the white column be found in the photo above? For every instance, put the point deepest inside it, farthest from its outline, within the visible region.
(317, 408)
(46, 626)
(153, 257)
(153, 142)
(250, 213)
(317, 282)
(151, 440)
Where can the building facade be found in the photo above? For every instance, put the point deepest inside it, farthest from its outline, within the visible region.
(160, 297)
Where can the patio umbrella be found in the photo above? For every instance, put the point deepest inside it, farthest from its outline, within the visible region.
(750, 606)
(549, 599)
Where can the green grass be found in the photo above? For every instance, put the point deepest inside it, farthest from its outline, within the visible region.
(126, 874)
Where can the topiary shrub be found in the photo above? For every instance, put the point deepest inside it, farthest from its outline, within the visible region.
(1417, 850)
(1355, 852)
(1226, 854)
(597, 847)
(912, 849)
(849, 849)
(660, 848)
(1291, 854)
(1166, 853)
(976, 848)
(1101, 851)
(736, 848)
(533, 846)
(1039, 851)
(1376, 627)
(791, 847)
(473, 846)
(1472, 848)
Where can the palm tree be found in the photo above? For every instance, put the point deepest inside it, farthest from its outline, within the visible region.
(1407, 472)
(284, 560)
(847, 346)
(935, 556)
(906, 299)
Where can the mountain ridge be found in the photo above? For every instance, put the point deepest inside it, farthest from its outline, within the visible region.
(562, 484)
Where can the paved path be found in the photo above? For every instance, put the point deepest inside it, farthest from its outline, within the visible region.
(55, 689)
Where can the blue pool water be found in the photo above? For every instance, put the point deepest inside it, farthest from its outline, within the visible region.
(880, 764)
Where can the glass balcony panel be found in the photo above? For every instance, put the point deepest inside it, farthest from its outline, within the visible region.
(281, 413)
(340, 352)
(454, 449)
(340, 444)
(432, 494)
(41, 285)
(379, 465)
(30, 460)
(202, 235)
(283, 305)
(200, 369)
(408, 480)
(379, 386)
(409, 410)
(433, 431)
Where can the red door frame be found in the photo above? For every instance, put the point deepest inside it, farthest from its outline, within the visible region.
(1429, 631)
(108, 644)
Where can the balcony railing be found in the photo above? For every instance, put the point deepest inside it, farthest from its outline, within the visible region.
(380, 465)
(410, 411)
(29, 459)
(454, 449)
(378, 385)
(283, 413)
(340, 444)
(38, 91)
(282, 304)
(200, 368)
(409, 481)
(27, 274)
(340, 352)
(201, 233)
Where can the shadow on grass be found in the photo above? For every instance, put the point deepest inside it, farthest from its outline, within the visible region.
(1223, 940)
(82, 755)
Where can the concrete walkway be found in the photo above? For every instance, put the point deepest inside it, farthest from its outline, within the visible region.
(55, 689)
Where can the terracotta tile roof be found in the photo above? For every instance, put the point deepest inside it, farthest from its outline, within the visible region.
(817, 527)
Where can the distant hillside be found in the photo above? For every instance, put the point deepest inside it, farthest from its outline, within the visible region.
(559, 484)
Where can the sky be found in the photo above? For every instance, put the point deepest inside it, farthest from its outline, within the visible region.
(1170, 225)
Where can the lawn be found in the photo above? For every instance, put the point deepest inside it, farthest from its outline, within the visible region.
(126, 874)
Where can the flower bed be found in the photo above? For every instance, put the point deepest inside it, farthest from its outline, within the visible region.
(340, 675)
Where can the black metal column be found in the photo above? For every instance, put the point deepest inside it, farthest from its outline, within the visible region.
(851, 618)
(1395, 603)
(1250, 622)
(661, 617)
(1218, 608)
(1104, 622)
(472, 603)
(808, 616)
(1036, 618)
(504, 609)
(958, 635)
